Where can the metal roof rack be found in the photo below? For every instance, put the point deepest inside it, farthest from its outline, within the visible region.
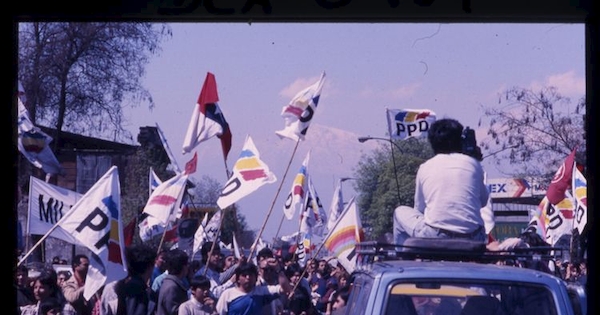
(434, 249)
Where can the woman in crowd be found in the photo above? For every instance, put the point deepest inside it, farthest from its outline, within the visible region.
(46, 287)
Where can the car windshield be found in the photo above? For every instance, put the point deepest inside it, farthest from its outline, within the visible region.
(466, 298)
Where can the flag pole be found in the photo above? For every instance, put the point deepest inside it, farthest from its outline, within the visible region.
(274, 199)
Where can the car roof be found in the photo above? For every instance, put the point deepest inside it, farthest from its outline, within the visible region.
(411, 269)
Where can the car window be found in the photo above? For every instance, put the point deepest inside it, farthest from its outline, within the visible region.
(467, 298)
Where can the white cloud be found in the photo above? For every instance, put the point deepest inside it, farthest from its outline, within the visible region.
(567, 84)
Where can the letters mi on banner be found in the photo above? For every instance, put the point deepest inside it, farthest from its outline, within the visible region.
(48, 204)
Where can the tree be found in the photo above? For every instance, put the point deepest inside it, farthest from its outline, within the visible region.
(376, 183)
(533, 131)
(77, 76)
(207, 192)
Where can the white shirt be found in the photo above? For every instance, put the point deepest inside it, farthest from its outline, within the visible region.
(450, 192)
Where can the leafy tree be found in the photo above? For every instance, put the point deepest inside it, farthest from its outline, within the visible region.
(77, 76)
(207, 192)
(379, 194)
(533, 131)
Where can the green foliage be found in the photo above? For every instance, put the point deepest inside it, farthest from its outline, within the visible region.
(379, 193)
(531, 132)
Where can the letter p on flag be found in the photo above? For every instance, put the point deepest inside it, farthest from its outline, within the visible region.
(95, 218)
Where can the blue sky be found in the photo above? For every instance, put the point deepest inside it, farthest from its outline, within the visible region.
(451, 69)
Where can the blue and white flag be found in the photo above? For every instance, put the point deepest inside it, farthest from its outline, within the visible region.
(153, 181)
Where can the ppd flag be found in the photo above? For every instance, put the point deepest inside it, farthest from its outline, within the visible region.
(295, 199)
(407, 123)
(298, 114)
(249, 174)
(579, 188)
(95, 221)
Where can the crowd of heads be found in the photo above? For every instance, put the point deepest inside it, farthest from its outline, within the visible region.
(316, 286)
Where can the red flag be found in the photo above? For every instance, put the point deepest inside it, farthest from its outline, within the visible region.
(207, 119)
(128, 232)
(190, 166)
(561, 180)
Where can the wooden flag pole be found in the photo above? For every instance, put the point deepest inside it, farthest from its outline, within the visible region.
(273, 203)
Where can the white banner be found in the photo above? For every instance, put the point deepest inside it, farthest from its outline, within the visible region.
(47, 205)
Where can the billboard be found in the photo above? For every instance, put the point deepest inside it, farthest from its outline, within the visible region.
(514, 188)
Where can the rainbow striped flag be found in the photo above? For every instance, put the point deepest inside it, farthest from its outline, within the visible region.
(347, 232)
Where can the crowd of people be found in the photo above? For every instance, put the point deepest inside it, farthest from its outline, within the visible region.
(169, 282)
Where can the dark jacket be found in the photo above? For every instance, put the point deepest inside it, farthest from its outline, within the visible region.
(172, 293)
(127, 296)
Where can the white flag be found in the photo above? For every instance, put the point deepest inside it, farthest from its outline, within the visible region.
(409, 123)
(200, 235)
(579, 187)
(34, 144)
(166, 198)
(315, 210)
(95, 221)
(299, 113)
(249, 174)
(236, 248)
(296, 197)
(47, 205)
(337, 206)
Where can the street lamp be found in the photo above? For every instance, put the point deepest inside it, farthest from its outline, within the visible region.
(392, 143)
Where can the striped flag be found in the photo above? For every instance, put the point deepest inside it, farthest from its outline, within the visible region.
(298, 114)
(295, 199)
(166, 198)
(249, 174)
(342, 240)
(95, 221)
